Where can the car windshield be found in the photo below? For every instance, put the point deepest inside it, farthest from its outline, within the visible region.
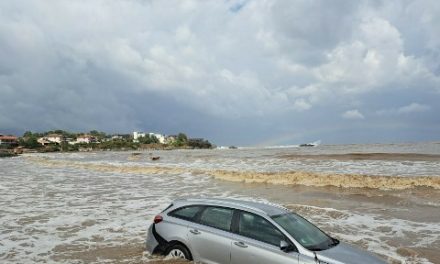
(308, 235)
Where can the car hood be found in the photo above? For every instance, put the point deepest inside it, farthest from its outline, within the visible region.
(344, 253)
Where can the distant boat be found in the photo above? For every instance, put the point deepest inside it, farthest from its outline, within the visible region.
(313, 144)
(307, 145)
(155, 158)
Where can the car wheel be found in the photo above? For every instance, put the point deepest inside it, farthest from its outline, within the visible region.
(178, 252)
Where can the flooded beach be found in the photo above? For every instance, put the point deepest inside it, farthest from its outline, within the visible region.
(96, 207)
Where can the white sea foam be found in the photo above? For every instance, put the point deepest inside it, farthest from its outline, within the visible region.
(373, 230)
(52, 207)
(44, 208)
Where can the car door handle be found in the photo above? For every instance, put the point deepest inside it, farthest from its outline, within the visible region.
(241, 244)
(194, 231)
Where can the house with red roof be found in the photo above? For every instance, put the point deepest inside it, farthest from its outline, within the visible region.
(8, 140)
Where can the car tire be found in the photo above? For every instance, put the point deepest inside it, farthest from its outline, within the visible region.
(177, 251)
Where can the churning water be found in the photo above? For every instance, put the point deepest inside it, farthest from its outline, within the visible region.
(96, 207)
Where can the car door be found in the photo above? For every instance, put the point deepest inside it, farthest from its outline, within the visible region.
(175, 225)
(210, 238)
(258, 241)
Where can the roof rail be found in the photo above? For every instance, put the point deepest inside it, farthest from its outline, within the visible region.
(226, 201)
(275, 205)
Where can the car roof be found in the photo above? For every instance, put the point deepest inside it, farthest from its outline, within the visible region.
(261, 207)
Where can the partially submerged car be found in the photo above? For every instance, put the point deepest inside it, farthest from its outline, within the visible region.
(231, 231)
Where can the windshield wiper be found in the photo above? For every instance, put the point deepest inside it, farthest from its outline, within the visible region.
(334, 242)
(314, 248)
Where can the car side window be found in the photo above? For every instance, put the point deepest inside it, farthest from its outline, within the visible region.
(186, 213)
(217, 217)
(258, 228)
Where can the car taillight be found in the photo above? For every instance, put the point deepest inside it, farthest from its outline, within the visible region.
(158, 219)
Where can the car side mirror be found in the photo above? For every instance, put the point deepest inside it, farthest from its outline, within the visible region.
(284, 246)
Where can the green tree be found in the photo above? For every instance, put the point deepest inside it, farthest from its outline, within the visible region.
(182, 137)
(30, 142)
(27, 134)
(64, 146)
(181, 140)
(154, 139)
(96, 133)
(148, 139)
(199, 143)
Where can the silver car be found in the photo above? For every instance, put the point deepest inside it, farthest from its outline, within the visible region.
(236, 232)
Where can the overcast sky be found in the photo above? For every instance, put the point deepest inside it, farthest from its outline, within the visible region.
(235, 72)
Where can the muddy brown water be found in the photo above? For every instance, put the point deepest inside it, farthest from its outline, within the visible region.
(96, 207)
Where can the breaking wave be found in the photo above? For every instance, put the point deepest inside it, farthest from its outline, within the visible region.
(280, 178)
(367, 156)
(326, 179)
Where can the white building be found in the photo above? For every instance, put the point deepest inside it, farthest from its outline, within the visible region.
(170, 139)
(51, 138)
(85, 139)
(160, 137)
(55, 138)
(137, 135)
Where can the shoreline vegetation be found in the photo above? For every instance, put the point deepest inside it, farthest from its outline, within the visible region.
(64, 141)
(7, 154)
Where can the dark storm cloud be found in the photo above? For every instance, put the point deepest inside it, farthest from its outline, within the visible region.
(237, 72)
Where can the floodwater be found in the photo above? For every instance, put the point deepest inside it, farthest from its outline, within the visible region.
(96, 207)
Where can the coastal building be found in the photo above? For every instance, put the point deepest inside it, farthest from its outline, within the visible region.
(86, 139)
(117, 137)
(8, 140)
(137, 135)
(160, 137)
(51, 139)
(55, 138)
(170, 139)
(43, 141)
